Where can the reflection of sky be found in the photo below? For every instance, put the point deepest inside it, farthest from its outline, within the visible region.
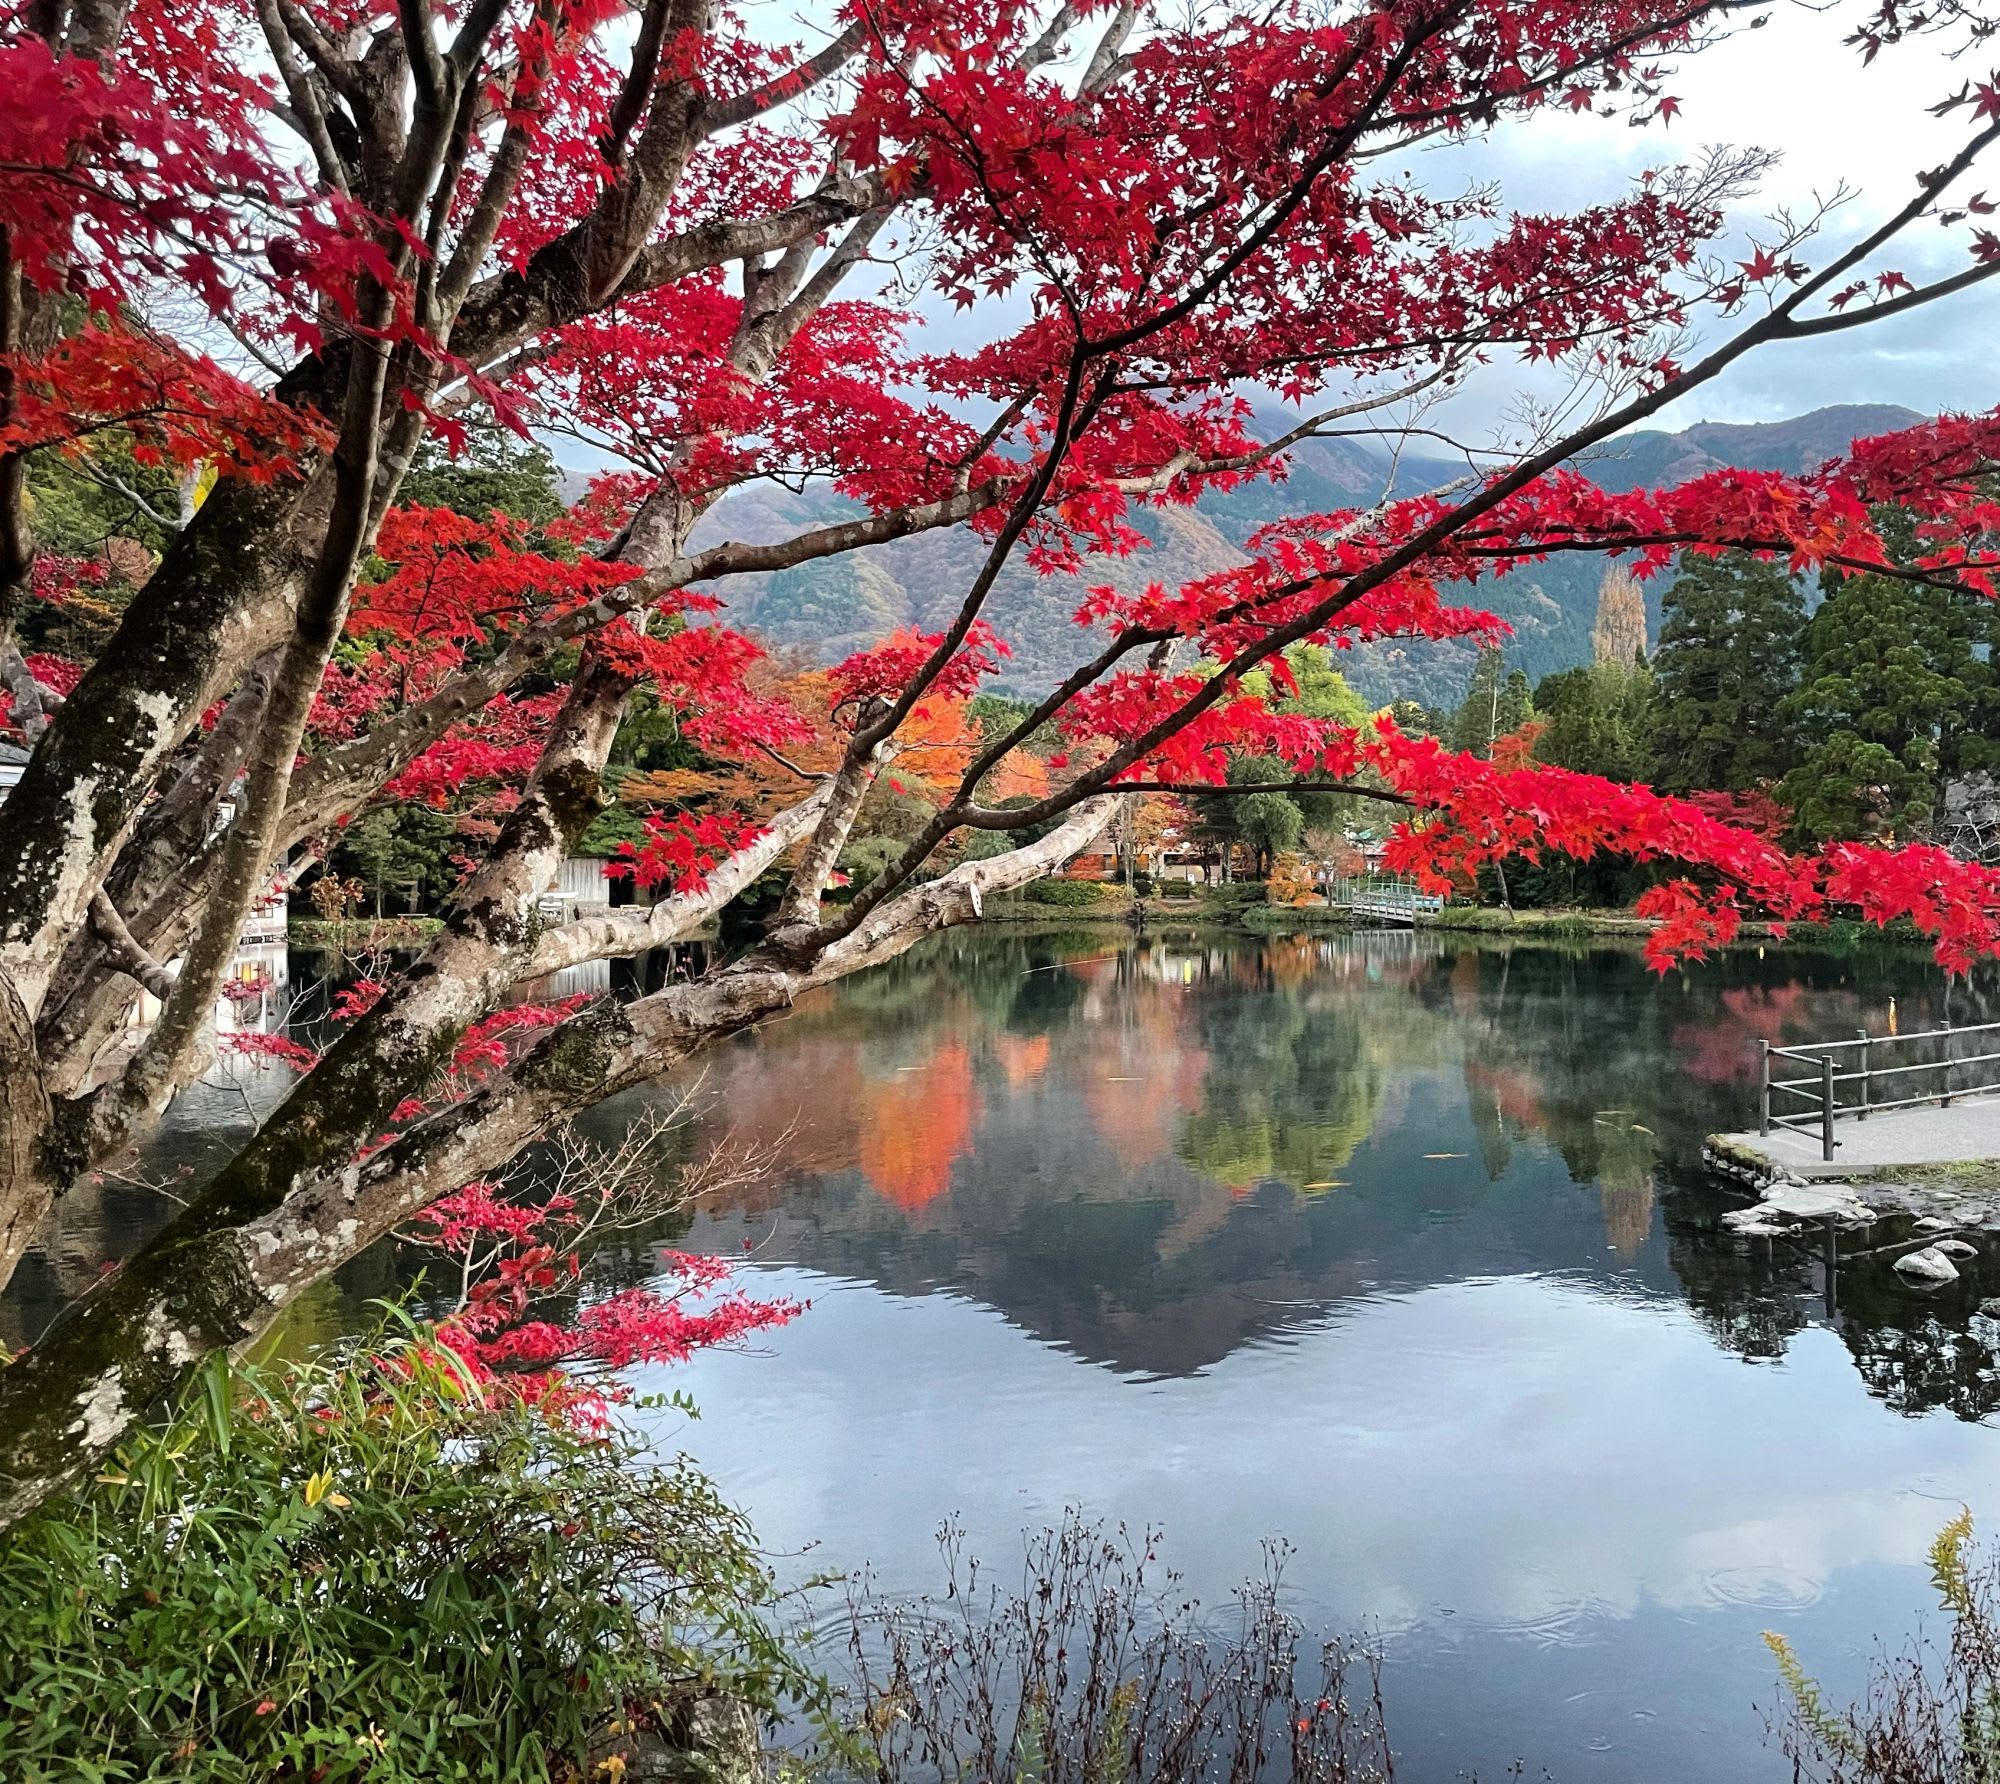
(1474, 1469)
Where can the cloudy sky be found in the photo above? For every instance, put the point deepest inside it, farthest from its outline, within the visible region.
(1791, 86)
(1794, 87)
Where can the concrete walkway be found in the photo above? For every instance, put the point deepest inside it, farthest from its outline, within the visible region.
(1967, 1132)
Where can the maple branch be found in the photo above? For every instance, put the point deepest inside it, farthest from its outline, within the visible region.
(124, 950)
(992, 818)
(338, 778)
(633, 929)
(1895, 306)
(801, 77)
(290, 1208)
(1946, 578)
(1427, 539)
(506, 309)
(1104, 60)
(1286, 205)
(846, 794)
(637, 90)
(307, 114)
(1020, 512)
(503, 177)
(427, 70)
(1188, 464)
(160, 876)
(320, 50)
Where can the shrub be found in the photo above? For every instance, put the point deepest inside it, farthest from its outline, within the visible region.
(369, 1571)
(1177, 888)
(1290, 881)
(1067, 894)
(1142, 884)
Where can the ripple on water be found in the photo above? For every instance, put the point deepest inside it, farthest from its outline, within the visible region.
(1562, 1626)
(1762, 1588)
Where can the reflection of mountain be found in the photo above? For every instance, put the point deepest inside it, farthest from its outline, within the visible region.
(1157, 1157)
(1159, 1154)
(1154, 1158)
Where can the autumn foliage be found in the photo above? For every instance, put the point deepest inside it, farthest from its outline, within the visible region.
(261, 261)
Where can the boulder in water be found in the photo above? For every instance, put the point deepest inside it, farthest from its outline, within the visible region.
(1927, 1265)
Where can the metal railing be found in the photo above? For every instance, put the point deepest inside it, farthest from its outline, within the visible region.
(1384, 895)
(1845, 1087)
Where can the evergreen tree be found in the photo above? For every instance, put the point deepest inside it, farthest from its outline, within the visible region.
(1728, 659)
(1598, 720)
(1495, 703)
(496, 470)
(1890, 702)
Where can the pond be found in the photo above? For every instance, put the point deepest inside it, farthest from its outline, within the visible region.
(1396, 1246)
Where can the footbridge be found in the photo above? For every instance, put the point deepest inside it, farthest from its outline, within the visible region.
(1384, 898)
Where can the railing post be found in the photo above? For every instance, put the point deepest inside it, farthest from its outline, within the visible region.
(1826, 1107)
(1763, 1087)
(1944, 1102)
(1861, 1034)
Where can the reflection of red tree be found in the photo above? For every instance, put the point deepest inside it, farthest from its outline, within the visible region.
(1022, 1057)
(1723, 1050)
(913, 1127)
(1136, 1076)
(1515, 1093)
(804, 1102)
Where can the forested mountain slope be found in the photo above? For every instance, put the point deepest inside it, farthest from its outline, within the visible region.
(833, 608)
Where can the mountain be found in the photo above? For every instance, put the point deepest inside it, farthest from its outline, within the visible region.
(832, 608)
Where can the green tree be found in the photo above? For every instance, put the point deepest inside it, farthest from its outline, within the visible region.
(1496, 703)
(1270, 823)
(1890, 703)
(1599, 719)
(495, 470)
(1727, 662)
(399, 850)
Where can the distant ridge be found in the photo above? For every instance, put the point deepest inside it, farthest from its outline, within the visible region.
(834, 608)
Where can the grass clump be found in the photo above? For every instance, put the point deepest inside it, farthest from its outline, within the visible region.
(1097, 1668)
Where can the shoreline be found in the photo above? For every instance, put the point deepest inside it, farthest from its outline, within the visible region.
(1247, 910)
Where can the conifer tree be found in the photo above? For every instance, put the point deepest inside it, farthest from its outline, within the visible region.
(1888, 703)
(1599, 718)
(1495, 703)
(1728, 659)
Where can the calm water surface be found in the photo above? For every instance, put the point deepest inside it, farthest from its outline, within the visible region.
(1394, 1246)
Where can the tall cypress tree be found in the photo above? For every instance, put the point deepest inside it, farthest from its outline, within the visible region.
(1890, 702)
(1728, 658)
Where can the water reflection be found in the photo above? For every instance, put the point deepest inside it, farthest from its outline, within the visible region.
(1396, 1245)
(1156, 1156)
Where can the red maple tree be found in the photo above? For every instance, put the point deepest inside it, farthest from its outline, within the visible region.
(278, 243)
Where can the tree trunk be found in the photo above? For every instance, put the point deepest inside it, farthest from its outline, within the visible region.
(291, 1207)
